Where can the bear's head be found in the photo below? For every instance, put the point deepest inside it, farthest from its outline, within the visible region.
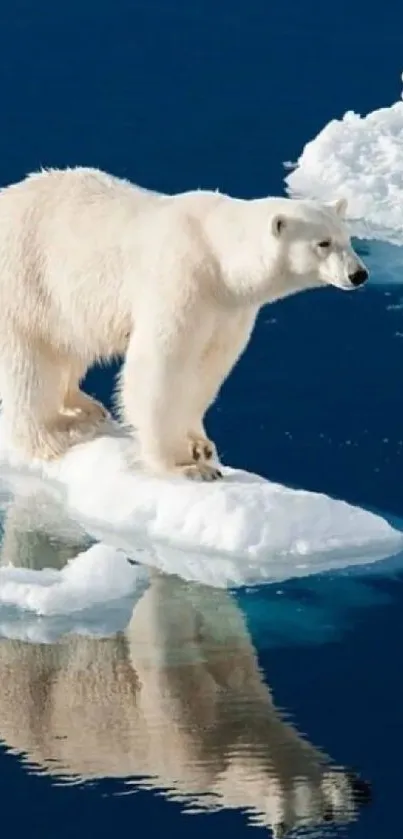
(335, 800)
(314, 245)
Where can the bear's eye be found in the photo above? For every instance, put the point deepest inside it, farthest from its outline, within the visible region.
(324, 244)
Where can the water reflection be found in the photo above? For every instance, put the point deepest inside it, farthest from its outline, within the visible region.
(37, 532)
(175, 702)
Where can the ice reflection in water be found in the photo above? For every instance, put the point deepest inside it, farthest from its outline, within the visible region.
(175, 702)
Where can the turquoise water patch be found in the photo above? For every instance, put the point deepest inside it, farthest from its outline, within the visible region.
(384, 260)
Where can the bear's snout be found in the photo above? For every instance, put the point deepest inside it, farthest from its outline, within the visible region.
(358, 277)
(361, 789)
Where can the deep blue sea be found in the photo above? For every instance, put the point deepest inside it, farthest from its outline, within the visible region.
(178, 94)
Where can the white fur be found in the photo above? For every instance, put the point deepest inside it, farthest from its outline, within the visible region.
(92, 267)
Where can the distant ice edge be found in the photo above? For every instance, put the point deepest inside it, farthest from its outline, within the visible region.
(242, 531)
(360, 158)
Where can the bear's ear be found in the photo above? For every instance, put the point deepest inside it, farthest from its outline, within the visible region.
(340, 207)
(278, 225)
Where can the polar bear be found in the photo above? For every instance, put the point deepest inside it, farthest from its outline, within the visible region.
(93, 267)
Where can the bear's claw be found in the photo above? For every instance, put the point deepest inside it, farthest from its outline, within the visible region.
(200, 472)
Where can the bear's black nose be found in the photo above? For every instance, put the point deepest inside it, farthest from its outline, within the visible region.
(361, 789)
(359, 277)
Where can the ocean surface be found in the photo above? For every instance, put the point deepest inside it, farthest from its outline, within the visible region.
(178, 94)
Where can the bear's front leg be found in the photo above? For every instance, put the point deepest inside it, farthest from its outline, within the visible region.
(156, 400)
(166, 448)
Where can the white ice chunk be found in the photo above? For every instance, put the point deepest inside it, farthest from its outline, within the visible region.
(95, 576)
(242, 530)
(360, 158)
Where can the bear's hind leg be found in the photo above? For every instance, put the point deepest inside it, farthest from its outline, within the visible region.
(32, 389)
(76, 402)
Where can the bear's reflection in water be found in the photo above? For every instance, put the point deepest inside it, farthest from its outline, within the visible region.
(177, 703)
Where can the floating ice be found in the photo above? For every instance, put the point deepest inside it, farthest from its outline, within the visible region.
(95, 576)
(360, 158)
(242, 530)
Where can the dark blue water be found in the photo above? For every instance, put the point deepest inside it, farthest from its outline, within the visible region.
(177, 94)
